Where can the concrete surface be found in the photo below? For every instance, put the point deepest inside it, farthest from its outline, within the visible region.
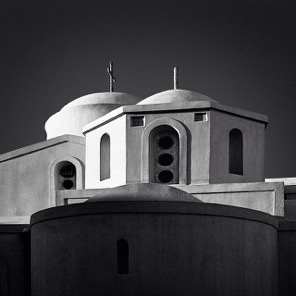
(14, 260)
(287, 258)
(26, 178)
(264, 197)
(175, 248)
(289, 186)
(253, 134)
(118, 151)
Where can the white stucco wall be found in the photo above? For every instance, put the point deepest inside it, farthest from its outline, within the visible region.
(198, 143)
(116, 129)
(253, 148)
(25, 178)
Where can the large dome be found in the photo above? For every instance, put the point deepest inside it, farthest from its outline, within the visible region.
(74, 116)
(175, 96)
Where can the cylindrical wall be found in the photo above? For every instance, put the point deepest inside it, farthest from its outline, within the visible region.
(174, 248)
(14, 260)
(287, 257)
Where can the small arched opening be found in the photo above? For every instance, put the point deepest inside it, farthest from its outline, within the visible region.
(236, 152)
(122, 257)
(105, 157)
(65, 173)
(65, 176)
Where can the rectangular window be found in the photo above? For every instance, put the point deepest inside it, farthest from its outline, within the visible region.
(137, 121)
(202, 116)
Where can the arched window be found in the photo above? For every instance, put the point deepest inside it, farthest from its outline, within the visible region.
(65, 176)
(122, 257)
(65, 173)
(105, 157)
(164, 155)
(236, 152)
(181, 149)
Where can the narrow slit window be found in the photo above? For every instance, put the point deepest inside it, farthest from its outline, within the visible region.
(236, 152)
(105, 157)
(122, 257)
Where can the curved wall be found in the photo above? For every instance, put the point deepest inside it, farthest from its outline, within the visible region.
(287, 257)
(175, 248)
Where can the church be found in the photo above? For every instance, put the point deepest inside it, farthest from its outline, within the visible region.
(164, 195)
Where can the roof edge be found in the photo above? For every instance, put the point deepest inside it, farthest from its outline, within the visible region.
(172, 107)
(41, 146)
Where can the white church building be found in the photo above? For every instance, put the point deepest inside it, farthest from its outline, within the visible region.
(169, 190)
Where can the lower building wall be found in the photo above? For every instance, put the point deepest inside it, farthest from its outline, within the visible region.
(174, 249)
(14, 260)
(287, 257)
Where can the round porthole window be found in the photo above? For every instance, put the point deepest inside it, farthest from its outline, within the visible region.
(68, 184)
(165, 176)
(165, 142)
(165, 159)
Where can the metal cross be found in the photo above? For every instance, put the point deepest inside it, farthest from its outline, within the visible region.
(176, 78)
(111, 78)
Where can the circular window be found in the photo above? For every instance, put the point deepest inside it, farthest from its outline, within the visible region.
(68, 171)
(165, 176)
(165, 142)
(68, 184)
(165, 159)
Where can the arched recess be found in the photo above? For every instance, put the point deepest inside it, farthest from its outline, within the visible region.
(236, 152)
(145, 147)
(54, 172)
(3, 278)
(105, 157)
(122, 257)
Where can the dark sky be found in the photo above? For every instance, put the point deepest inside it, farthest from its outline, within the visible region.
(240, 53)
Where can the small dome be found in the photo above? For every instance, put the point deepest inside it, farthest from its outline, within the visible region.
(175, 96)
(74, 116)
(144, 192)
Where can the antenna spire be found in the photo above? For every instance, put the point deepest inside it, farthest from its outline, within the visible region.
(176, 78)
(112, 79)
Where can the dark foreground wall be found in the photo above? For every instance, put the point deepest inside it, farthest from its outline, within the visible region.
(287, 257)
(14, 260)
(173, 249)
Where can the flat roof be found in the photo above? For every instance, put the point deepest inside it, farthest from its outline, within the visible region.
(167, 108)
(41, 146)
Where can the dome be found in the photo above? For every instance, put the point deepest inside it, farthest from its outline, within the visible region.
(175, 96)
(144, 192)
(104, 98)
(74, 116)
